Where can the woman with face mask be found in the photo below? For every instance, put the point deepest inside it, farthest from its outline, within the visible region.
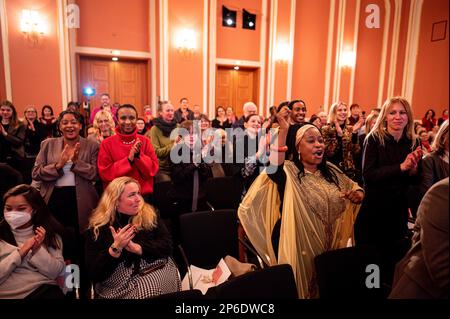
(30, 247)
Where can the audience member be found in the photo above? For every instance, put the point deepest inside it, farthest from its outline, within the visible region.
(48, 119)
(104, 126)
(128, 154)
(221, 120)
(128, 248)
(104, 105)
(30, 247)
(429, 121)
(183, 113)
(249, 108)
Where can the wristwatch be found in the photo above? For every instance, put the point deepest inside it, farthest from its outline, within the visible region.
(116, 250)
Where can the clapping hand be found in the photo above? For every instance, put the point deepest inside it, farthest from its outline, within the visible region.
(38, 238)
(76, 151)
(355, 196)
(134, 248)
(135, 149)
(412, 160)
(123, 235)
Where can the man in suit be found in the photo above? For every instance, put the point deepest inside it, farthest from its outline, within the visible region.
(423, 272)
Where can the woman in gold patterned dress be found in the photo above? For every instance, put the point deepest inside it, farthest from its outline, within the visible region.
(341, 140)
(311, 200)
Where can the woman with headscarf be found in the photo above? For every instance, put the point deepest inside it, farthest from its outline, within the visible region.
(316, 202)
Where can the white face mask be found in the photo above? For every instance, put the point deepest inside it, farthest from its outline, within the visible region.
(16, 219)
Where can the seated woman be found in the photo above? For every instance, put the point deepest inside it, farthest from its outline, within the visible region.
(30, 247)
(128, 248)
(316, 202)
(434, 166)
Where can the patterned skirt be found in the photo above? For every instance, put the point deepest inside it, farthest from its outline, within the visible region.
(154, 279)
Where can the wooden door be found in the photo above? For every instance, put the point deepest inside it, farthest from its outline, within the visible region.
(125, 81)
(236, 87)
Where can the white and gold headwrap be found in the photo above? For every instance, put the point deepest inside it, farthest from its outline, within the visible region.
(301, 131)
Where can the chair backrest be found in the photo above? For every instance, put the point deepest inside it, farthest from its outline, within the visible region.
(207, 237)
(275, 282)
(342, 273)
(224, 192)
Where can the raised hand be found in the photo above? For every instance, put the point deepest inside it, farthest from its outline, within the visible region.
(283, 117)
(39, 237)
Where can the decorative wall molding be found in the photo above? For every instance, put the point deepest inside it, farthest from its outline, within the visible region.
(5, 45)
(262, 58)
(152, 46)
(164, 49)
(394, 48)
(387, 19)
(355, 50)
(271, 60)
(212, 55)
(64, 54)
(326, 97)
(205, 56)
(291, 53)
(412, 45)
(108, 52)
(244, 63)
(339, 47)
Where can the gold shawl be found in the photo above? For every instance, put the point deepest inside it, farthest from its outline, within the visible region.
(315, 219)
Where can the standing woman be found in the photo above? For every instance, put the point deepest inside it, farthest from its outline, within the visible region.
(30, 247)
(429, 121)
(312, 201)
(341, 139)
(66, 168)
(104, 126)
(159, 135)
(34, 135)
(221, 120)
(128, 248)
(390, 161)
(12, 135)
(49, 121)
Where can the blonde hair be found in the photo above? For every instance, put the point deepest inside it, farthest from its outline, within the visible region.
(380, 128)
(106, 211)
(438, 145)
(333, 110)
(110, 120)
(369, 119)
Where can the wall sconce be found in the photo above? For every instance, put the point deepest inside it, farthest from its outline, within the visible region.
(32, 25)
(282, 52)
(347, 59)
(185, 41)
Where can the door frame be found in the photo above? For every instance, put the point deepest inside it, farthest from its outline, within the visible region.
(146, 60)
(256, 83)
(242, 64)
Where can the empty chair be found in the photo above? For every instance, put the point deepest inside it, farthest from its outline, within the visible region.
(275, 282)
(206, 237)
(342, 273)
(224, 192)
